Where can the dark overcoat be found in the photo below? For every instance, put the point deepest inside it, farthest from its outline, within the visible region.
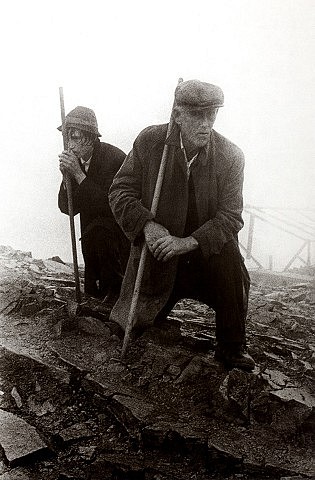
(90, 198)
(217, 175)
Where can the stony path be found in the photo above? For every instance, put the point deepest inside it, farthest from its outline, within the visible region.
(169, 410)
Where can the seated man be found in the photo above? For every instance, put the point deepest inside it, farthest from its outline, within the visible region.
(92, 165)
(192, 239)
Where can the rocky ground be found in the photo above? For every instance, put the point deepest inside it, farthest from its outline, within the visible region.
(71, 408)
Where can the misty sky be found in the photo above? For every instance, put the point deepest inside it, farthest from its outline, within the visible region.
(123, 59)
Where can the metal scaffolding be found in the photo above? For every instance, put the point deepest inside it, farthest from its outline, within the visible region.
(299, 223)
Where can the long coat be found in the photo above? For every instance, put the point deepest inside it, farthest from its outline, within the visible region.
(90, 198)
(217, 175)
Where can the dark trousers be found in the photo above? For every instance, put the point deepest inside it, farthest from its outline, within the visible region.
(222, 283)
(105, 254)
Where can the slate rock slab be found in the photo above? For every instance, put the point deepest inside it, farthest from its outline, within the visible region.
(294, 410)
(93, 326)
(78, 431)
(16, 474)
(297, 395)
(131, 412)
(18, 438)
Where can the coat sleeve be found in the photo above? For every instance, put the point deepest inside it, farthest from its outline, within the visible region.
(125, 193)
(63, 198)
(227, 222)
(90, 196)
(86, 196)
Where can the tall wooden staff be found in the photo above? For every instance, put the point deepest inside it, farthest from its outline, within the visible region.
(70, 204)
(144, 251)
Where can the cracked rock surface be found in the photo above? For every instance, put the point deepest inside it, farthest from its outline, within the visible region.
(168, 410)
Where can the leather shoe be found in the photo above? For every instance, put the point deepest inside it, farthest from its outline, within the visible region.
(234, 358)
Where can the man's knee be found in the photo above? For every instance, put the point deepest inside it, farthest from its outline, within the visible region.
(228, 262)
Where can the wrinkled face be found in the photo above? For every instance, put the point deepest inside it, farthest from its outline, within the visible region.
(195, 126)
(80, 143)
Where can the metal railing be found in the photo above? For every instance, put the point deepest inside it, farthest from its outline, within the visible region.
(298, 223)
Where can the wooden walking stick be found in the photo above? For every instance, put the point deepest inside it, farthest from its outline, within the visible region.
(70, 205)
(144, 251)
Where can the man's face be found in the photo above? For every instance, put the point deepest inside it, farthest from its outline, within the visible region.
(195, 126)
(80, 143)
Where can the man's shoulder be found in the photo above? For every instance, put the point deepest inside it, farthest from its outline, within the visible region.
(152, 134)
(109, 149)
(227, 148)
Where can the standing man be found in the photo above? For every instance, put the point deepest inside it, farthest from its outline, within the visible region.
(92, 166)
(192, 240)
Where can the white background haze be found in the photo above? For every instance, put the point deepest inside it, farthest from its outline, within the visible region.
(123, 59)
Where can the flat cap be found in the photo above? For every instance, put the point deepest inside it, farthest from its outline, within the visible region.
(82, 118)
(197, 94)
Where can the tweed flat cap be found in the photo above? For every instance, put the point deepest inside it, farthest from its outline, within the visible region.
(196, 94)
(82, 118)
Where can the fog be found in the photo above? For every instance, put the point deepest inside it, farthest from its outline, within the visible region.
(123, 59)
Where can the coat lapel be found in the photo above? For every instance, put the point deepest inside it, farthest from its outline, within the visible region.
(172, 207)
(94, 165)
(173, 140)
(204, 178)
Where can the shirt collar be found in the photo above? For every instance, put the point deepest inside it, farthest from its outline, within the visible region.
(192, 160)
(86, 163)
(174, 138)
(184, 151)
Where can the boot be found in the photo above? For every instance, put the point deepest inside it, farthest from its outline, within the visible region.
(234, 357)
